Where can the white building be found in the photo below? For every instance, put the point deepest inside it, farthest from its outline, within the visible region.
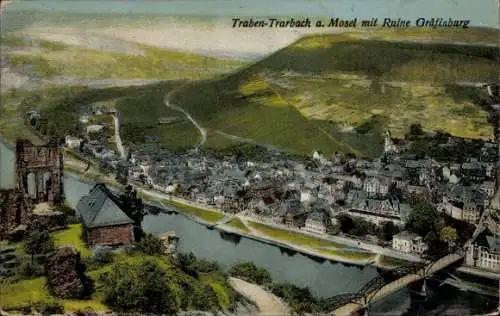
(73, 142)
(315, 223)
(408, 242)
(484, 257)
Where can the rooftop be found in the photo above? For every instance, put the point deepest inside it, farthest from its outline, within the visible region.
(99, 208)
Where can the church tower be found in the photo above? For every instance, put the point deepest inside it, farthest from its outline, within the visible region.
(388, 143)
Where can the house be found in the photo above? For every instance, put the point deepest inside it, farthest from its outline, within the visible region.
(408, 242)
(474, 170)
(488, 187)
(485, 256)
(104, 222)
(315, 222)
(288, 211)
(376, 186)
(73, 142)
(465, 212)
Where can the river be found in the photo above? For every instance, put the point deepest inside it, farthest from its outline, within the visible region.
(323, 278)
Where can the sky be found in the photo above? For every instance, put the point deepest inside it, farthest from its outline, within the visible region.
(481, 13)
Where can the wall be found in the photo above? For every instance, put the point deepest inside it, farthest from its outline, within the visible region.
(15, 210)
(110, 235)
(31, 159)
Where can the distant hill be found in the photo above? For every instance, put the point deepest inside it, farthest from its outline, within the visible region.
(315, 93)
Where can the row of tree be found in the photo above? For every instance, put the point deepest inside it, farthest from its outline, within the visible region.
(360, 227)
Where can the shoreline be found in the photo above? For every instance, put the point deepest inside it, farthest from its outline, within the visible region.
(148, 196)
(152, 201)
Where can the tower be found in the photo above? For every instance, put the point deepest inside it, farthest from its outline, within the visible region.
(388, 143)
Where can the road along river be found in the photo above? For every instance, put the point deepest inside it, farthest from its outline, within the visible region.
(323, 278)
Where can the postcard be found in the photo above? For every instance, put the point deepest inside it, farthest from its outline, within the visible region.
(237, 157)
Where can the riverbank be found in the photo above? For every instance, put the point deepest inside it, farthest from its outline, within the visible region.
(315, 246)
(306, 243)
(333, 248)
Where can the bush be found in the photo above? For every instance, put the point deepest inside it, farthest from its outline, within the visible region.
(250, 272)
(102, 254)
(205, 266)
(29, 270)
(39, 242)
(141, 287)
(49, 307)
(151, 245)
(16, 236)
(300, 299)
(100, 257)
(204, 298)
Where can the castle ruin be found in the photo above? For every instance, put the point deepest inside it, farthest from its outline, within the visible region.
(39, 179)
(39, 172)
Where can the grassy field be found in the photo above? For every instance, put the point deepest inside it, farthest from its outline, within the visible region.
(391, 262)
(313, 93)
(222, 292)
(329, 92)
(140, 108)
(28, 292)
(298, 239)
(48, 59)
(353, 255)
(204, 214)
(19, 294)
(72, 236)
(238, 224)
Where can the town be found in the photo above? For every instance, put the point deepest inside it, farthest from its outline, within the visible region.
(377, 201)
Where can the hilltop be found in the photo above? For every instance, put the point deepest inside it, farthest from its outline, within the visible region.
(337, 92)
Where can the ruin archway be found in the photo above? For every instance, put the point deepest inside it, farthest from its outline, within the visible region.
(31, 185)
(39, 171)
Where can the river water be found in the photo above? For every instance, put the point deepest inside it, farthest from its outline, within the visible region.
(323, 278)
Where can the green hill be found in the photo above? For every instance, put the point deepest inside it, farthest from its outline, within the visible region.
(338, 92)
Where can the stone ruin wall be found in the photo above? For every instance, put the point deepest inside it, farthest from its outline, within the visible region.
(44, 165)
(15, 210)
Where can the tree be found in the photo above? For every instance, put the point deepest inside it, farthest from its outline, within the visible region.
(29, 270)
(416, 129)
(122, 174)
(423, 218)
(387, 230)
(39, 242)
(346, 223)
(186, 262)
(204, 297)
(139, 288)
(151, 245)
(300, 299)
(133, 206)
(448, 235)
(250, 272)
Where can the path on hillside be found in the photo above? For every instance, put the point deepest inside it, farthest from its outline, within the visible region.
(118, 139)
(244, 140)
(267, 303)
(168, 104)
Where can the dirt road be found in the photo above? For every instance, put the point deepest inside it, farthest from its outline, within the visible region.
(268, 303)
(169, 104)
